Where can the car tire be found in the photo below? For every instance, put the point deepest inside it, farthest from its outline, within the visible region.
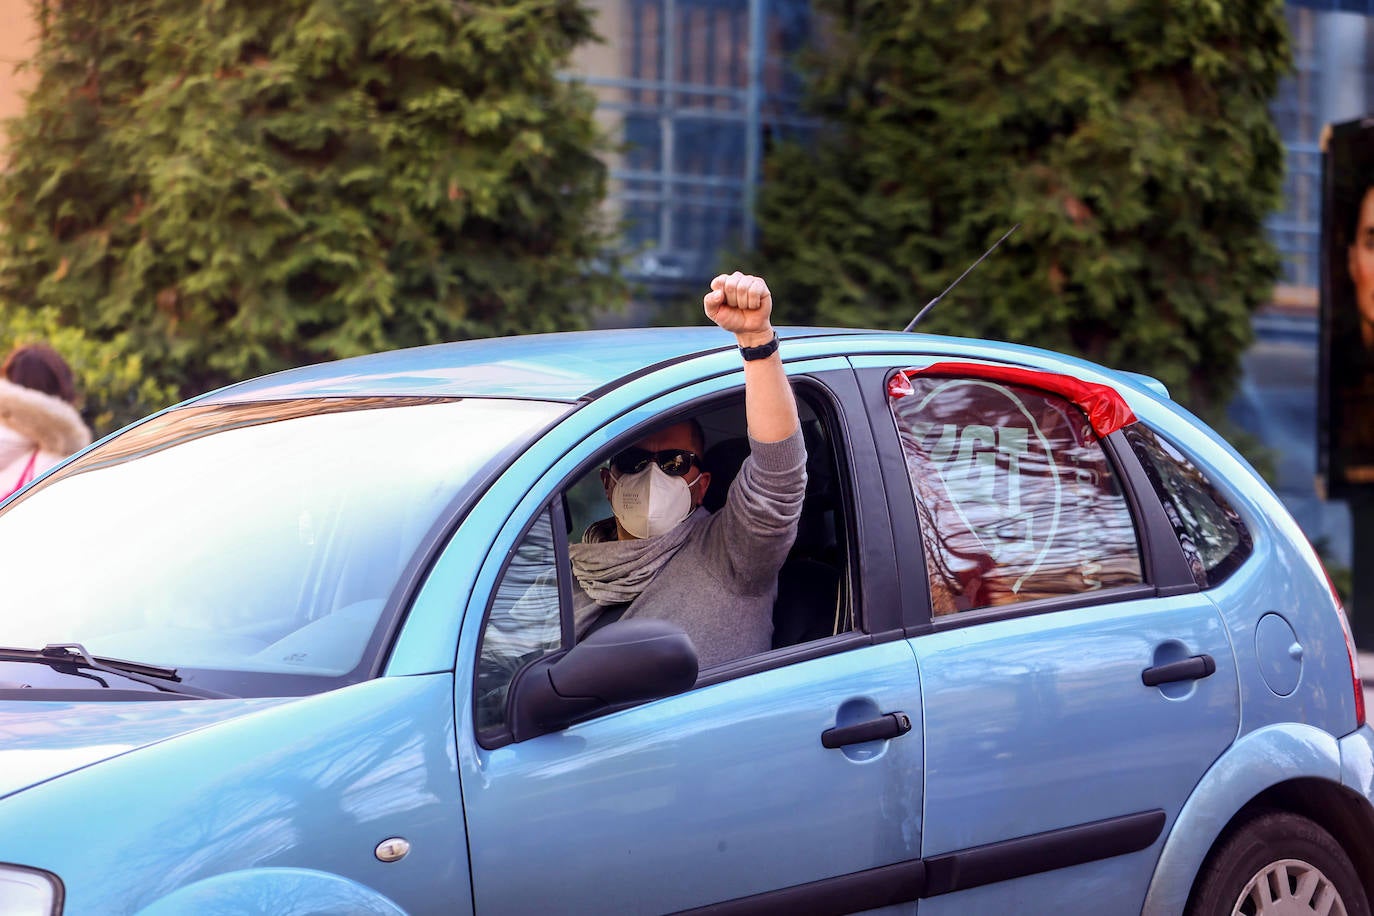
(1279, 856)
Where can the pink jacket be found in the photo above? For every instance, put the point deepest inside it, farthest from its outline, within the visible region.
(32, 420)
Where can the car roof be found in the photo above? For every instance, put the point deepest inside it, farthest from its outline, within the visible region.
(559, 367)
(564, 366)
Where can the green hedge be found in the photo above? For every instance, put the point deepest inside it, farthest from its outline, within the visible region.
(204, 190)
(1132, 141)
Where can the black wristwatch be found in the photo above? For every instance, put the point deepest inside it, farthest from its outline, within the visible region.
(762, 351)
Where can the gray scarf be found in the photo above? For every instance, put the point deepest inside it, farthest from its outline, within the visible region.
(615, 572)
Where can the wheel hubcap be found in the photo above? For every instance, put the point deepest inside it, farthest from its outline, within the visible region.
(1289, 887)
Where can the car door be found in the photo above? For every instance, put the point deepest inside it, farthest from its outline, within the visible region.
(727, 793)
(1076, 684)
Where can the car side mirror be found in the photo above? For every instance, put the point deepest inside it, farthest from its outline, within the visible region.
(630, 661)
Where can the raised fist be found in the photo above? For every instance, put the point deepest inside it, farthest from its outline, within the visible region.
(742, 305)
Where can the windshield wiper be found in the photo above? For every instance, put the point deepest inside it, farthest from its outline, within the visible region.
(73, 653)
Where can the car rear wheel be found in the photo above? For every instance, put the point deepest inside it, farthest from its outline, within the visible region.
(1278, 864)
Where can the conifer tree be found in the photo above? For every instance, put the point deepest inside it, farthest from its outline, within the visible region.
(218, 188)
(1130, 139)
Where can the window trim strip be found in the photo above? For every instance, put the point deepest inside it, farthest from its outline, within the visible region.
(1040, 852)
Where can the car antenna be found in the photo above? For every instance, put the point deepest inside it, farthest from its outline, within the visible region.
(922, 313)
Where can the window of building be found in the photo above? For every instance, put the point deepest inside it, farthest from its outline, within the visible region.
(697, 88)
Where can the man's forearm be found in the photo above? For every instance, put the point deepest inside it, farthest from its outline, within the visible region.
(769, 407)
(743, 305)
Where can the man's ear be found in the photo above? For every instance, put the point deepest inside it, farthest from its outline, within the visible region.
(607, 483)
(701, 485)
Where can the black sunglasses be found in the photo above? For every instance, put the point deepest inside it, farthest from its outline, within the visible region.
(675, 462)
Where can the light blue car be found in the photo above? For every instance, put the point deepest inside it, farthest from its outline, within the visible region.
(1043, 644)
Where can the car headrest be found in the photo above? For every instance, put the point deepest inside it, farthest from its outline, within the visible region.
(724, 458)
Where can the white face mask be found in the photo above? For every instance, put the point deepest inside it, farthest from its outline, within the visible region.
(649, 502)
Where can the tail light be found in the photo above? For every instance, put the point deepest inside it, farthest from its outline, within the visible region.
(1350, 651)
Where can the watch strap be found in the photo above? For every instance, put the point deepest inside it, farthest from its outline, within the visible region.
(762, 351)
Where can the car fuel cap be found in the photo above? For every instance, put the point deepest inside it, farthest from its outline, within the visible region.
(1278, 653)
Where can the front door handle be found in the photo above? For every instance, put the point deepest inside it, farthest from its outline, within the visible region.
(889, 725)
(1189, 669)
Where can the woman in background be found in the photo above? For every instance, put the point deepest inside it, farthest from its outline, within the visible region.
(39, 424)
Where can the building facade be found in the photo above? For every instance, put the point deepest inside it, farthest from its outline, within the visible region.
(1332, 81)
(694, 90)
(18, 34)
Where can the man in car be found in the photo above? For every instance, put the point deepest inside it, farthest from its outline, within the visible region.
(665, 556)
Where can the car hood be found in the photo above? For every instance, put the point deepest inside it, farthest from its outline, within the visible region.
(42, 740)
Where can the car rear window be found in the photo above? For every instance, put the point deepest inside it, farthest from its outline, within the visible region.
(1017, 499)
(1212, 534)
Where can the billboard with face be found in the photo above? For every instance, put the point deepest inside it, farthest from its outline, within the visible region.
(1346, 429)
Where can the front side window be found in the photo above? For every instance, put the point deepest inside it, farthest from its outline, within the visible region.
(524, 622)
(253, 547)
(813, 598)
(1017, 499)
(1214, 539)
(572, 573)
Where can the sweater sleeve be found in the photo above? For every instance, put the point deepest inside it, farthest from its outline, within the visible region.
(751, 535)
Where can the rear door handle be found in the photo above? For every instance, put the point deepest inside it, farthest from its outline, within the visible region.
(889, 725)
(1189, 669)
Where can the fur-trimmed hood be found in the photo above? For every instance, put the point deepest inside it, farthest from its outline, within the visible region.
(43, 419)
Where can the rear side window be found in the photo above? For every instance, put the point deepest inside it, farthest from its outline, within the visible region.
(1214, 539)
(1017, 499)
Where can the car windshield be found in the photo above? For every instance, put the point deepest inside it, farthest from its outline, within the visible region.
(252, 547)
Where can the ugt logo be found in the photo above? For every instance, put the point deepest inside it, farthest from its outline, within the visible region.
(994, 487)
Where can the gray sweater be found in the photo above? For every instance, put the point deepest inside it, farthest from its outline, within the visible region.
(720, 584)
